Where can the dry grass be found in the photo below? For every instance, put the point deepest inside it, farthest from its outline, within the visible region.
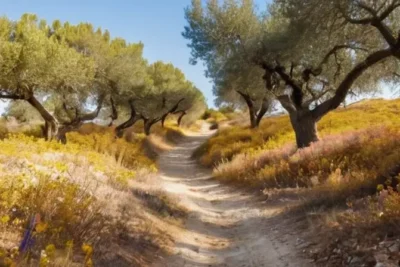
(87, 198)
(343, 190)
(358, 151)
(352, 157)
(362, 232)
(276, 132)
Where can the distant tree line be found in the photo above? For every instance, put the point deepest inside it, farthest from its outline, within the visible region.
(308, 55)
(69, 74)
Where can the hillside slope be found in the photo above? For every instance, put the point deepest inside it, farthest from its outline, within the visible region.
(344, 187)
(95, 200)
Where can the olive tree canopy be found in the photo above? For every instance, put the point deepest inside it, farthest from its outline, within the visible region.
(331, 48)
(33, 63)
(224, 37)
(309, 54)
(80, 71)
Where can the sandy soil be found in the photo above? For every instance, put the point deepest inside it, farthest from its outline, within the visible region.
(226, 226)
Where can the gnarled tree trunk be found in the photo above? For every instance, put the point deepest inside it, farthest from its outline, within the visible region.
(304, 122)
(181, 117)
(252, 109)
(119, 130)
(64, 129)
(163, 118)
(302, 118)
(62, 134)
(265, 106)
(254, 114)
(173, 110)
(305, 128)
(50, 129)
(148, 123)
(253, 117)
(77, 119)
(114, 112)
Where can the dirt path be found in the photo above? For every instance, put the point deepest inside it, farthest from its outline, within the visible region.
(225, 227)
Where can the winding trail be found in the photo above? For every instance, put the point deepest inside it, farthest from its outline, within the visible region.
(226, 227)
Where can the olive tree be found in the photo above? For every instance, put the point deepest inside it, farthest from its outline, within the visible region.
(169, 93)
(192, 107)
(312, 53)
(33, 63)
(223, 36)
(80, 71)
(163, 90)
(128, 79)
(78, 107)
(332, 49)
(132, 85)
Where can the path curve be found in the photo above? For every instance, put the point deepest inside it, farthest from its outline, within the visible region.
(225, 227)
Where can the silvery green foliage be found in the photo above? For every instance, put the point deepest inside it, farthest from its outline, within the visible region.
(78, 71)
(327, 38)
(224, 37)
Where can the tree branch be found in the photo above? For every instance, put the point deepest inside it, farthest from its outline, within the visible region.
(78, 119)
(131, 121)
(313, 95)
(286, 103)
(316, 97)
(181, 117)
(174, 108)
(385, 32)
(268, 79)
(375, 20)
(344, 87)
(246, 98)
(265, 106)
(114, 111)
(66, 109)
(12, 97)
(180, 111)
(165, 115)
(365, 21)
(367, 8)
(389, 10)
(318, 70)
(292, 66)
(297, 94)
(375, 13)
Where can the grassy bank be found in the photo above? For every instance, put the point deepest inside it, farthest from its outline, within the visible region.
(89, 202)
(345, 184)
(267, 156)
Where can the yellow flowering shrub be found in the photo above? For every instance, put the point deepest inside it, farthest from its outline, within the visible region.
(127, 154)
(46, 210)
(53, 196)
